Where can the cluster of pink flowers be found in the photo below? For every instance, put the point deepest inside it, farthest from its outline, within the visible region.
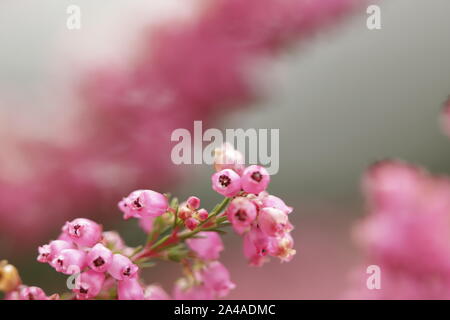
(206, 277)
(100, 260)
(30, 293)
(184, 233)
(261, 218)
(191, 214)
(407, 231)
(83, 248)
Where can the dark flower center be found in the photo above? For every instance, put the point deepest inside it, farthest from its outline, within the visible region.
(257, 176)
(224, 180)
(241, 215)
(137, 204)
(76, 229)
(99, 262)
(127, 272)
(83, 290)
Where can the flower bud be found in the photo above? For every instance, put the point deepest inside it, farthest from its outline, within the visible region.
(9, 277)
(191, 223)
(193, 203)
(202, 214)
(226, 182)
(184, 212)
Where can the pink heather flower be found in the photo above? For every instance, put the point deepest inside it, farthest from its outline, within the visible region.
(226, 157)
(191, 223)
(241, 213)
(155, 292)
(32, 293)
(396, 238)
(255, 179)
(282, 247)
(273, 222)
(185, 291)
(259, 240)
(193, 203)
(99, 258)
(83, 232)
(226, 182)
(130, 289)
(406, 232)
(216, 277)
(44, 253)
(392, 185)
(146, 223)
(253, 255)
(90, 285)
(48, 252)
(70, 261)
(143, 203)
(208, 247)
(121, 267)
(275, 202)
(113, 240)
(202, 214)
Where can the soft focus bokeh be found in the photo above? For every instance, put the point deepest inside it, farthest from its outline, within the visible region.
(342, 100)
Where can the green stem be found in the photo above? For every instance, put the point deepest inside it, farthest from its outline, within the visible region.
(217, 210)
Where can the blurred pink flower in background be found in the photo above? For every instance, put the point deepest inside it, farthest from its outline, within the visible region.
(406, 233)
(193, 70)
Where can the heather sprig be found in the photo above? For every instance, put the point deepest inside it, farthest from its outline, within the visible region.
(104, 267)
